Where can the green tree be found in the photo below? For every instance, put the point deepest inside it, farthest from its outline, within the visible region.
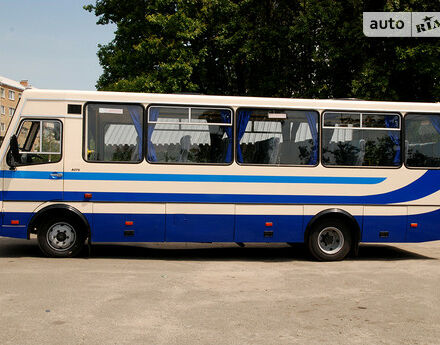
(308, 48)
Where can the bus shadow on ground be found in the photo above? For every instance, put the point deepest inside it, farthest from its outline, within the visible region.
(209, 252)
(253, 252)
(388, 252)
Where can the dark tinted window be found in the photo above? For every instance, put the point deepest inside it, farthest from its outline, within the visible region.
(277, 136)
(374, 140)
(422, 134)
(113, 133)
(189, 135)
(380, 121)
(342, 120)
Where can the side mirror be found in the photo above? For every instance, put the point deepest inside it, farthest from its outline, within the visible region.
(14, 153)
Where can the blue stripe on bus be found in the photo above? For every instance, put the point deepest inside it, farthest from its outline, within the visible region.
(427, 184)
(92, 176)
(32, 195)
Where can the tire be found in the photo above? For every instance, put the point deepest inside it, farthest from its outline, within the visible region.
(61, 237)
(330, 240)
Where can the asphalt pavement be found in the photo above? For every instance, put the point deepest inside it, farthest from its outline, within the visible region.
(219, 294)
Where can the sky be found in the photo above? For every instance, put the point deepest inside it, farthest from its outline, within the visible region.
(51, 43)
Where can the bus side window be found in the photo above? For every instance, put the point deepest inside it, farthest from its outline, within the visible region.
(189, 135)
(422, 133)
(361, 139)
(39, 142)
(277, 137)
(114, 133)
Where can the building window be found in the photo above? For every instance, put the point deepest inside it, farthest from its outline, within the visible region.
(361, 139)
(11, 111)
(189, 135)
(277, 136)
(3, 92)
(3, 109)
(114, 133)
(11, 95)
(3, 127)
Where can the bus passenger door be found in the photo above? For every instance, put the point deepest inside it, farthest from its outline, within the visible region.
(36, 178)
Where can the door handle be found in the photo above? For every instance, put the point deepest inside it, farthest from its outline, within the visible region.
(55, 175)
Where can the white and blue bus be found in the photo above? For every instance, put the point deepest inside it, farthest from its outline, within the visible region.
(127, 167)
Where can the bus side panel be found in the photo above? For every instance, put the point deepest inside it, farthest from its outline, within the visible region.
(200, 223)
(128, 222)
(269, 223)
(270, 228)
(384, 224)
(128, 228)
(423, 224)
(199, 228)
(15, 224)
(16, 217)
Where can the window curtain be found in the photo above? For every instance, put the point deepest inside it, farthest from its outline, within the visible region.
(435, 121)
(136, 117)
(151, 152)
(242, 121)
(312, 120)
(226, 118)
(391, 121)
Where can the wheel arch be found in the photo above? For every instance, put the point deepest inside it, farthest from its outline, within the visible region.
(339, 214)
(56, 209)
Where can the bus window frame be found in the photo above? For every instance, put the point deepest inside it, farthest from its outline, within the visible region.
(84, 139)
(318, 162)
(164, 105)
(401, 129)
(41, 119)
(404, 128)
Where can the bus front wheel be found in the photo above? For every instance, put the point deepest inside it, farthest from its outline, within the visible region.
(61, 237)
(330, 240)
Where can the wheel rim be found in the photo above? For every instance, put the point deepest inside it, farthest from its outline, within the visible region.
(330, 240)
(61, 236)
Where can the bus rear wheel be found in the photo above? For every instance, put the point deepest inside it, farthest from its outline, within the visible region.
(330, 240)
(61, 237)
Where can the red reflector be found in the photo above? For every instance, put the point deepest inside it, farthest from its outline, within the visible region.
(269, 224)
(87, 195)
(128, 222)
(15, 222)
(414, 225)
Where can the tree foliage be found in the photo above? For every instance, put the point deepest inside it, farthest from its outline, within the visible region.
(308, 48)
